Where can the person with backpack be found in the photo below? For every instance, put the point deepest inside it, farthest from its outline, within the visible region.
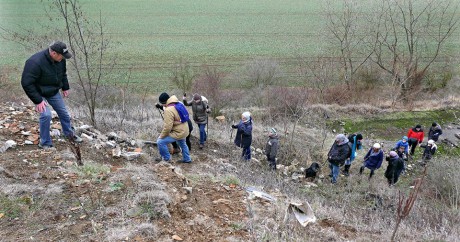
(337, 155)
(200, 110)
(435, 132)
(415, 136)
(394, 168)
(373, 159)
(175, 128)
(243, 137)
(175, 145)
(271, 148)
(354, 142)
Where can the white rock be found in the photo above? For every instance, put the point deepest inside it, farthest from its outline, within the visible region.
(89, 138)
(55, 133)
(25, 133)
(28, 142)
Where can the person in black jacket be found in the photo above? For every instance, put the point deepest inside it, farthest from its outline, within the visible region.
(243, 136)
(435, 132)
(339, 152)
(44, 75)
(394, 168)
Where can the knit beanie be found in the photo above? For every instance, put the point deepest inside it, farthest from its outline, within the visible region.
(418, 126)
(393, 154)
(163, 98)
(434, 124)
(272, 132)
(404, 138)
(359, 137)
(247, 116)
(196, 97)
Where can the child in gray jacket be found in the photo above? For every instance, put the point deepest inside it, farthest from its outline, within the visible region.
(271, 148)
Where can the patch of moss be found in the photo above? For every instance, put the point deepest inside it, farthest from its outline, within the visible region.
(392, 126)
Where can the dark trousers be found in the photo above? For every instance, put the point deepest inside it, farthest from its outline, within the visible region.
(246, 155)
(187, 141)
(271, 162)
(412, 145)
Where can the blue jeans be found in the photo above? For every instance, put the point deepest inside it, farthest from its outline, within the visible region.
(202, 133)
(164, 152)
(246, 155)
(58, 105)
(334, 171)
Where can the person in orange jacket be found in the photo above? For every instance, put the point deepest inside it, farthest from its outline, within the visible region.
(415, 136)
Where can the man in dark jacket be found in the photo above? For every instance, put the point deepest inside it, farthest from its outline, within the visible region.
(44, 75)
(243, 136)
(200, 110)
(339, 152)
(435, 132)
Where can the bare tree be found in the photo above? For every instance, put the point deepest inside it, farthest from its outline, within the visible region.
(85, 38)
(183, 76)
(408, 36)
(348, 34)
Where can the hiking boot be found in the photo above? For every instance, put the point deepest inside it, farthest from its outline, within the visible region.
(361, 170)
(75, 138)
(345, 173)
(159, 159)
(201, 146)
(45, 147)
(184, 161)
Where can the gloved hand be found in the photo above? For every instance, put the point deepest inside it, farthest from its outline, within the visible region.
(234, 126)
(41, 107)
(208, 110)
(159, 106)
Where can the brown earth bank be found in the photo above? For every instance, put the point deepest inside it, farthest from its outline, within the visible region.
(46, 196)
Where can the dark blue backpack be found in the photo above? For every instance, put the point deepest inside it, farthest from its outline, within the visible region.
(183, 113)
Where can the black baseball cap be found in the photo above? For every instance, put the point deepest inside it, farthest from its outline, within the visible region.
(61, 48)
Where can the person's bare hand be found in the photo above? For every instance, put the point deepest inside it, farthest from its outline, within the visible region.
(65, 93)
(40, 107)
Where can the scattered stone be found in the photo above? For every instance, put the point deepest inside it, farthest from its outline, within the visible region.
(112, 136)
(110, 144)
(26, 133)
(188, 189)
(221, 200)
(8, 144)
(37, 175)
(258, 150)
(310, 184)
(183, 198)
(55, 133)
(28, 142)
(131, 155)
(176, 237)
(116, 152)
(89, 138)
(220, 119)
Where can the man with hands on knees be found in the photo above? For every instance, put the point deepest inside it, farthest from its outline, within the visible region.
(44, 74)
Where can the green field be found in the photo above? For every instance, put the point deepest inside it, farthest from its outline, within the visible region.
(154, 35)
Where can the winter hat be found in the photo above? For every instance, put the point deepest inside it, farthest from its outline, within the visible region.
(376, 146)
(196, 97)
(393, 154)
(163, 98)
(272, 132)
(434, 124)
(341, 139)
(418, 126)
(404, 138)
(359, 137)
(430, 142)
(247, 116)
